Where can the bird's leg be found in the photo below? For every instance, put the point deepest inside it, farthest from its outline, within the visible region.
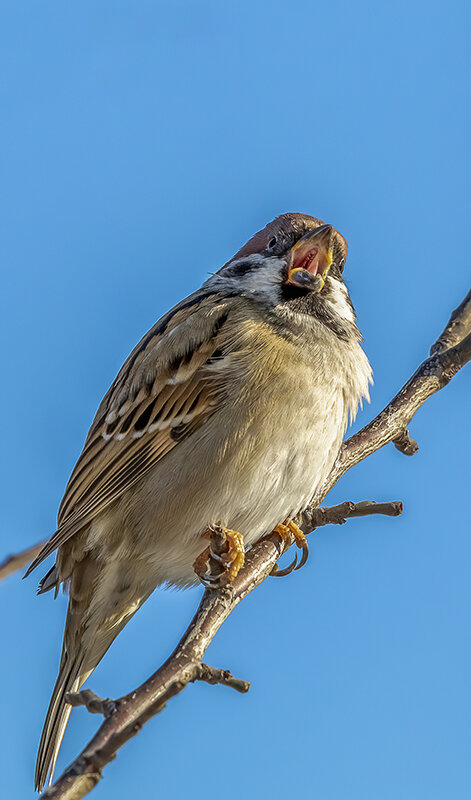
(227, 550)
(289, 531)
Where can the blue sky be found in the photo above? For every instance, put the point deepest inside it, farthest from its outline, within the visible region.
(141, 145)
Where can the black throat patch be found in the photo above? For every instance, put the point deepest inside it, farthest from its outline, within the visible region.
(300, 301)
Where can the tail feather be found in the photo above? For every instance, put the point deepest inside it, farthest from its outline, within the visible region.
(68, 680)
(98, 610)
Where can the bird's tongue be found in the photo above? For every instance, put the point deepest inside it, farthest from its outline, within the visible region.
(310, 261)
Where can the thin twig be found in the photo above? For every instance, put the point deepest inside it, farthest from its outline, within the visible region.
(313, 518)
(222, 676)
(324, 516)
(91, 701)
(106, 707)
(405, 444)
(457, 327)
(19, 560)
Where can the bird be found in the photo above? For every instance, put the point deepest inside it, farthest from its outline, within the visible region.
(227, 415)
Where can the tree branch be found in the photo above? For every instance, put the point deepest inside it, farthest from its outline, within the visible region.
(19, 560)
(457, 327)
(313, 518)
(125, 717)
(391, 423)
(320, 516)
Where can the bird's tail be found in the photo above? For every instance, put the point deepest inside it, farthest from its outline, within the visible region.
(88, 635)
(69, 679)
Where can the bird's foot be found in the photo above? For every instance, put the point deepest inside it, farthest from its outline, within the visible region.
(289, 532)
(226, 549)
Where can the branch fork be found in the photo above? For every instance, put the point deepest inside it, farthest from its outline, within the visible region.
(107, 707)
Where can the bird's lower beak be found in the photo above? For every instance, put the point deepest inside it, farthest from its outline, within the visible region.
(311, 258)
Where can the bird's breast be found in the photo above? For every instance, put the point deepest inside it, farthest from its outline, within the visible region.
(258, 459)
(285, 420)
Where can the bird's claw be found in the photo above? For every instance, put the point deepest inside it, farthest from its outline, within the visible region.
(229, 551)
(289, 531)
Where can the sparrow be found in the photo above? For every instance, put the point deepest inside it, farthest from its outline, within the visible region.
(227, 415)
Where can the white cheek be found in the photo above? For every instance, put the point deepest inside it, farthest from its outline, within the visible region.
(265, 280)
(262, 282)
(337, 302)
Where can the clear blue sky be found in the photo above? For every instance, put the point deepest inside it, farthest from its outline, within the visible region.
(141, 145)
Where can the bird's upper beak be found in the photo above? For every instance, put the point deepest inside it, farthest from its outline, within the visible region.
(310, 259)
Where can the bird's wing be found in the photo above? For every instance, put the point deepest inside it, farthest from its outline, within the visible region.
(167, 388)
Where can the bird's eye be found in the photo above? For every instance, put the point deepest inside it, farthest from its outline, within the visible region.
(272, 243)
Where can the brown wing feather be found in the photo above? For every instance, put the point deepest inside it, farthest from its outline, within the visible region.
(164, 392)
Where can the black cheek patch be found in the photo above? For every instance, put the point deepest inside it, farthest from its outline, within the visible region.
(239, 269)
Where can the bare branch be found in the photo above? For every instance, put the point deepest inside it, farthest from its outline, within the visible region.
(19, 560)
(106, 707)
(91, 701)
(127, 715)
(222, 676)
(391, 423)
(405, 444)
(457, 327)
(313, 518)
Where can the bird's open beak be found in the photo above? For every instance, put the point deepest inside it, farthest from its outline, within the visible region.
(311, 258)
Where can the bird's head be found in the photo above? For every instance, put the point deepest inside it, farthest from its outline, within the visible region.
(294, 264)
